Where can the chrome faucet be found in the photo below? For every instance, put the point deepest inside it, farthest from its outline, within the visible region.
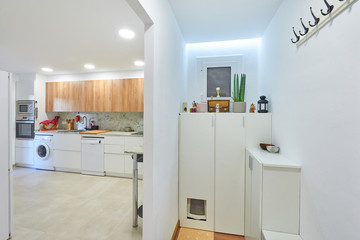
(84, 122)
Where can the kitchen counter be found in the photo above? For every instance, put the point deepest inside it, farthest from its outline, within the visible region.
(119, 133)
(110, 133)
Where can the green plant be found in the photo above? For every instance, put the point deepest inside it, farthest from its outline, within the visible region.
(239, 89)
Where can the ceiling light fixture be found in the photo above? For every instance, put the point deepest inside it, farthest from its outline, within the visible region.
(139, 63)
(46, 69)
(89, 66)
(126, 33)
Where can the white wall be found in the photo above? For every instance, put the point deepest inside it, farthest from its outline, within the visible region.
(24, 86)
(5, 155)
(39, 95)
(313, 93)
(246, 50)
(165, 75)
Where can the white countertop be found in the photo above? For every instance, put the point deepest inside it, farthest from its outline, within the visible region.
(111, 133)
(272, 159)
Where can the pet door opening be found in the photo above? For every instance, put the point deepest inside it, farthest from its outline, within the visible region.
(196, 209)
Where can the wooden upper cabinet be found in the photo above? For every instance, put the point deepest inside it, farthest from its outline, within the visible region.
(119, 95)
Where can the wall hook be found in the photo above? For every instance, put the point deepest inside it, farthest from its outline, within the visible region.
(305, 28)
(297, 37)
(329, 8)
(317, 20)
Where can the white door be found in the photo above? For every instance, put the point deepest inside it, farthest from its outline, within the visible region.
(230, 174)
(4, 160)
(196, 167)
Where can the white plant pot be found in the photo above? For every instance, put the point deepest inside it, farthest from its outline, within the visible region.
(239, 107)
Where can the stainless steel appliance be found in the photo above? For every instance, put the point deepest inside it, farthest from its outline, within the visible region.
(25, 110)
(25, 119)
(25, 129)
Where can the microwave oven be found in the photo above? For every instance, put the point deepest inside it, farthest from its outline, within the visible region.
(25, 110)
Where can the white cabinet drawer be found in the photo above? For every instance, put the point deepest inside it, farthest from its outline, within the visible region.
(114, 163)
(68, 142)
(131, 142)
(24, 155)
(117, 149)
(24, 143)
(114, 140)
(67, 159)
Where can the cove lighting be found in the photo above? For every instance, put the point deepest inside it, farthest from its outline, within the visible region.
(89, 66)
(139, 63)
(46, 69)
(126, 33)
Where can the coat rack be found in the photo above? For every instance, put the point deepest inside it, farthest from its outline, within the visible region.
(319, 20)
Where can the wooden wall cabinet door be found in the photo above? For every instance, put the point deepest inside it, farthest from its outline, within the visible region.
(119, 95)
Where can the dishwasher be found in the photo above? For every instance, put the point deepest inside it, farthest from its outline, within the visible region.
(92, 156)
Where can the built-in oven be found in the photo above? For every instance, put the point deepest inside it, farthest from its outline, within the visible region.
(25, 129)
(25, 110)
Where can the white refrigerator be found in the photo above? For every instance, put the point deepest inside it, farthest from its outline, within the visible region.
(5, 166)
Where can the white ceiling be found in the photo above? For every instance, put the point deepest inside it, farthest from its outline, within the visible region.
(66, 34)
(216, 20)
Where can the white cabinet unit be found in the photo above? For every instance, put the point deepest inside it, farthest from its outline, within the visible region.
(67, 152)
(212, 166)
(24, 153)
(197, 168)
(273, 194)
(117, 162)
(229, 174)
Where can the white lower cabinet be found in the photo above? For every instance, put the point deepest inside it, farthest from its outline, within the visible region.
(24, 153)
(114, 163)
(272, 194)
(67, 152)
(117, 162)
(212, 168)
(67, 160)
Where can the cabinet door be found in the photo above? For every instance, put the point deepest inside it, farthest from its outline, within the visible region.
(67, 160)
(229, 174)
(253, 198)
(68, 142)
(196, 166)
(128, 95)
(24, 155)
(114, 163)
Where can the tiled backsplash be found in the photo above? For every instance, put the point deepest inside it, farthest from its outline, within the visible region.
(109, 121)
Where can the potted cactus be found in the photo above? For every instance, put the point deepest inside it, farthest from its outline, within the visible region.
(239, 94)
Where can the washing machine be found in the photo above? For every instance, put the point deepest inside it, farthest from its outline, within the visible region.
(43, 151)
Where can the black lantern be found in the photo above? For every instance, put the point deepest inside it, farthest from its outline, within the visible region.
(263, 105)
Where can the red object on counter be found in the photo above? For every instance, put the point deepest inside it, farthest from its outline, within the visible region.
(77, 118)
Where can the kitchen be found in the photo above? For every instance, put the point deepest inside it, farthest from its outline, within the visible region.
(75, 90)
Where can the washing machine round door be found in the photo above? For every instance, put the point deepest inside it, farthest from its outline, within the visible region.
(42, 151)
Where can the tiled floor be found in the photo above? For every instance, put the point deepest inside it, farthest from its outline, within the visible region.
(57, 206)
(194, 234)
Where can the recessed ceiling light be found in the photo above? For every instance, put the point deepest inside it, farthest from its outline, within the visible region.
(89, 66)
(126, 33)
(46, 69)
(139, 63)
